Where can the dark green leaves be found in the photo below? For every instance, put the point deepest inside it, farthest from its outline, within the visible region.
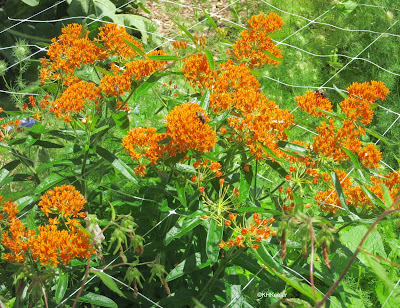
(117, 163)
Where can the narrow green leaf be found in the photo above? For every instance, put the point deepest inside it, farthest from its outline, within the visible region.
(103, 71)
(135, 48)
(379, 271)
(48, 182)
(214, 235)
(121, 120)
(386, 195)
(163, 58)
(190, 264)
(113, 215)
(116, 163)
(205, 100)
(292, 147)
(186, 31)
(211, 21)
(353, 157)
(272, 56)
(48, 144)
(210, 59)
(339, 190)
(184, 227)
(374, 198)
(108, 281)
(62, 285)
(62, 163)
(220, 118)
(341, 93)
(145, 86)
(97, 299)
(379, 136)
(98, 130)
(6, 170)
(140, 4)
(225, 41)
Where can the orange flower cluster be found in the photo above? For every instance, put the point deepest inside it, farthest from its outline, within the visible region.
(144, 143)
(51, 244)
(256, 232)
(257, 121)
(355, 196)
(185, 131)
(72, 49)
(188, 131)
(112, 37)
(65, 200)
(330, 140)
(5, 128)
(74, 99)
(313, 100)
(255, 45)
(357, 106)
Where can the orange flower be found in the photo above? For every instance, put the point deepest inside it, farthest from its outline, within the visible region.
(112, 36)
(369, 91)
(255, 44)
(69, 51)
(74, 99)
(313, 100)
(144, 143)
(187, 131)
(141, 68)
(64, 199)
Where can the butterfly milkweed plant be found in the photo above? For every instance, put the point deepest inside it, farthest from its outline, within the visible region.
(169, 178)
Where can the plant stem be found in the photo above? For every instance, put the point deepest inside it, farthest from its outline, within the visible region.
(312, 257)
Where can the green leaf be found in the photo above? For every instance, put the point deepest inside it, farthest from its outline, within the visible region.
(140, 4)
(62, 285)
(353, 157)
(121, 120)
(211, 21)
(24, 201)
(48, 144)
(293, 147)
(63, 163)
(220, 118)
(386, 195)
(205, 100)
(97, 299)
(379, 136)
(108, 281)
(185, 226)
(185, 168)
(145, 86)
(300, 286)
(225, 41)
(272, 56)
(48, 182)
(135, 48)
(186, 31)
(190, 264)
(163, 58)
(6, 170)
(103, 71)
(339, 190)
(244, 187)
(378, 270)
(352, 236)
(117, 163)
(341, 93)
(374, 198)
(210, 59)
(31, 2)
(214, 235)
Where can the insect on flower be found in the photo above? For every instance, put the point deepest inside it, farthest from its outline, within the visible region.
(201, 116)
(321, 92)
